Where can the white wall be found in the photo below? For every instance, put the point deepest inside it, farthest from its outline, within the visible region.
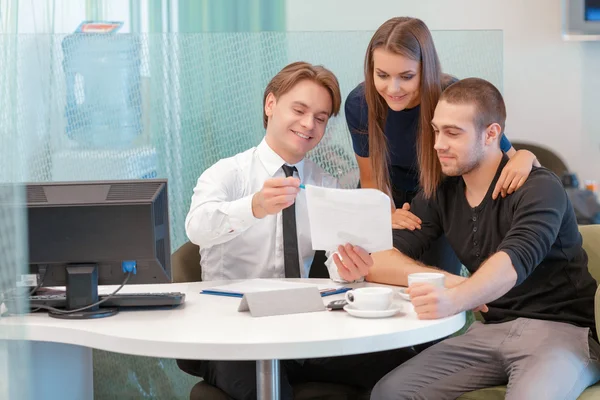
(551, 87)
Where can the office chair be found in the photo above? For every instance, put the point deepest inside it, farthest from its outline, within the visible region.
(547, 158)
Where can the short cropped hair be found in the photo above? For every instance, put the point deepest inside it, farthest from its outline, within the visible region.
(488, 101)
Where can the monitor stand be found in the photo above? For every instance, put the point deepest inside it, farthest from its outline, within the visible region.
(82, 290)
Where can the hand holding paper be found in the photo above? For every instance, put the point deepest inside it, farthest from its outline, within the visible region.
(353, 262)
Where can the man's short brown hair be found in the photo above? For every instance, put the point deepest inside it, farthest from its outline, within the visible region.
(295, 72)
(488, 101)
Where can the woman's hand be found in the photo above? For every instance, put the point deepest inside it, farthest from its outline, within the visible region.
(515, 173)
(402, 218)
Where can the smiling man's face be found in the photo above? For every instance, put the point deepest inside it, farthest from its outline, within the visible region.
(297, 120)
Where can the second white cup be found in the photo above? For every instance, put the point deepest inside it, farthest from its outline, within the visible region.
(433, 278)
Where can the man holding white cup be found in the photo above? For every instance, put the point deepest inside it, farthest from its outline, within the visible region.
(525, 255)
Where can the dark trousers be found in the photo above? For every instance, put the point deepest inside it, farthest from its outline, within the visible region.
(238, 378)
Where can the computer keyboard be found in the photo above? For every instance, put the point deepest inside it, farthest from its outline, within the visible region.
(164, 299)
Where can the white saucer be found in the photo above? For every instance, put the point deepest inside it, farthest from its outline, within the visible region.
(372, 313)
(402, 293)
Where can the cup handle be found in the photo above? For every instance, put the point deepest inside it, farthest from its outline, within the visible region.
(349, 296)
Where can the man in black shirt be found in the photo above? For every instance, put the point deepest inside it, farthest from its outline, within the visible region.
(524, 251)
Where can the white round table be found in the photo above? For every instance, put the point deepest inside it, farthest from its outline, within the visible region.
(209, 327)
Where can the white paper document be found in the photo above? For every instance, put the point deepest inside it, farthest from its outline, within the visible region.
(361, 217)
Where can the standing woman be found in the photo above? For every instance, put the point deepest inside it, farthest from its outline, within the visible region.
(389, 117)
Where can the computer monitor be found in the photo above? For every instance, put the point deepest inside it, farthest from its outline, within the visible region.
(82, 234)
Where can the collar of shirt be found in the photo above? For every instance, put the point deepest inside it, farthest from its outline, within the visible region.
(273, 162)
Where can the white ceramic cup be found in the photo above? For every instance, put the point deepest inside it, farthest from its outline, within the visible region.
(433, 278)
(370, 298)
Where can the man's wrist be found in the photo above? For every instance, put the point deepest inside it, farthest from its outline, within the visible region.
(455, 296)
(454, 280)
(257, 210)
(533, 157)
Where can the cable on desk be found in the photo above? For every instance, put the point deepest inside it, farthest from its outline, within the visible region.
(42, 271)
(59, 311)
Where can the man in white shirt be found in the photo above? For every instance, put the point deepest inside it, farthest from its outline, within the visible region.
(242, 218)
(235, 215)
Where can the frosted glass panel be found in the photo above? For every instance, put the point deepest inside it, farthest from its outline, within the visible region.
(14, 354)
(170, 105)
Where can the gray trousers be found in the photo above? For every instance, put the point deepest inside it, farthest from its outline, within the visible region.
(536, 360)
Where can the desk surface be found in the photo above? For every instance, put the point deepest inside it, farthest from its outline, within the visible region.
(210, 327)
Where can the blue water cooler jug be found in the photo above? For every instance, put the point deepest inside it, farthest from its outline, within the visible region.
(103, 89)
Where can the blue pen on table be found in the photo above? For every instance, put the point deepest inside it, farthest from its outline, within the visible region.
(330, 292)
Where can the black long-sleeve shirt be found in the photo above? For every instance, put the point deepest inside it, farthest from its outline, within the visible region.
(535, 226)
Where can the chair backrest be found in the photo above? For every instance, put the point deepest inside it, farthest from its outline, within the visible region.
(318, 268)
(185, 264)
(548, 158)
(591, 244)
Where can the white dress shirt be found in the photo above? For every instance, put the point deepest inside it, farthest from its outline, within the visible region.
(233, 243)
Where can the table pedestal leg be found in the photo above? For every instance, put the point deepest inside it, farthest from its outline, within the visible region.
(267, 380)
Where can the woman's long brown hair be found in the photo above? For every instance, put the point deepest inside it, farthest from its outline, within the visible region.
(408, 37)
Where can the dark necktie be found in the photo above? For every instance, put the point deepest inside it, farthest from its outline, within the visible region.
(291, 259)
